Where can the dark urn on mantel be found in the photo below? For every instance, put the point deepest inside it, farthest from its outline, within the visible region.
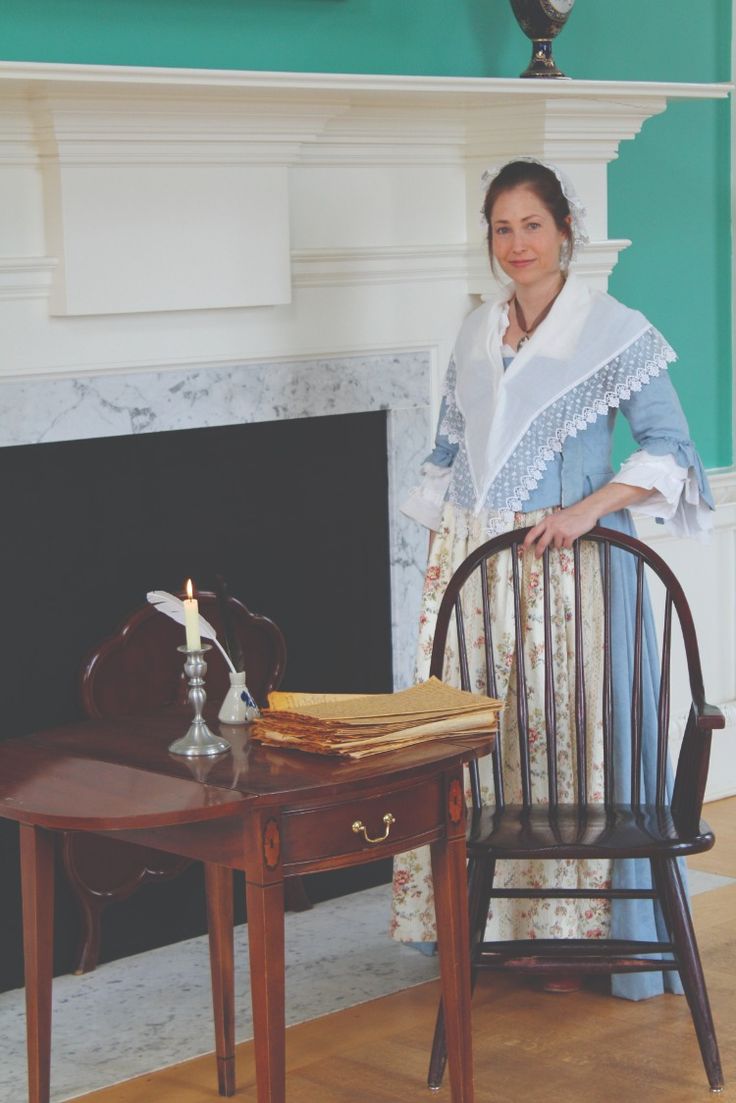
(541, 20)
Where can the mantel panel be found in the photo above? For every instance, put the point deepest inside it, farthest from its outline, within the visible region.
(169, 190)
(137, 238)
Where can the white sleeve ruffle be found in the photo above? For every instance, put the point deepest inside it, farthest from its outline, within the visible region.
(675, 495)
(425, 501)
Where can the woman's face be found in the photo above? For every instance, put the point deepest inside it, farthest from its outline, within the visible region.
(524, 237)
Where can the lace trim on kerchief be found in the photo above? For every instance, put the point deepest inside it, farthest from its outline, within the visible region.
(573, 412)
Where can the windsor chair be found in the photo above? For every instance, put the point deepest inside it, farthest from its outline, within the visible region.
(639, 810)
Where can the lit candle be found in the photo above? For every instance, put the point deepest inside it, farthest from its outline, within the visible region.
(191, 620)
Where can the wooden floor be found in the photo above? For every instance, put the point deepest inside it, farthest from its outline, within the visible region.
(529, 1046)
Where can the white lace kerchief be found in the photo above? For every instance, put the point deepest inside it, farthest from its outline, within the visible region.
(588, 354)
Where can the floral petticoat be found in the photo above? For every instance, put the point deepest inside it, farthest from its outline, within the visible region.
(460, 533)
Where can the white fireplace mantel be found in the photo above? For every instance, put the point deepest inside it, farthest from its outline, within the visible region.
(249, 185)
(185, 248)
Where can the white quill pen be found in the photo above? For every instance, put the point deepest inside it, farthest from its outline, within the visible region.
(173, 607)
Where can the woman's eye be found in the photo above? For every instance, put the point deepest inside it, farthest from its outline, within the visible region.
(502, 229)
(533, 225)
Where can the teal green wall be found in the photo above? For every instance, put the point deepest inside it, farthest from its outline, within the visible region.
(676, 211)
(620, 39)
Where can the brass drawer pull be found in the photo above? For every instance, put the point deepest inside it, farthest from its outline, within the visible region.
(359, 826)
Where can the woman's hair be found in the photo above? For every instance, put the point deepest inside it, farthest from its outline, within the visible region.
(540, 180)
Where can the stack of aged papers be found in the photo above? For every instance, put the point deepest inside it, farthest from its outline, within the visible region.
(357, 726)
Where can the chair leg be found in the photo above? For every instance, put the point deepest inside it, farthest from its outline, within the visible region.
(219, 884)
(102, 871)
(90, 904)
(90, 919)
(480, 884)
(677, 913)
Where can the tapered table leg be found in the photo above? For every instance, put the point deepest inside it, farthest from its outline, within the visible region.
(265, 904)
(37, 882)
(451, 906)
(219, 885)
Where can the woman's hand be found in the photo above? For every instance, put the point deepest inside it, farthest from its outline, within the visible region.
(561, 528)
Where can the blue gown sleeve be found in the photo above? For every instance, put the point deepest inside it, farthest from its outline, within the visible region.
(659, 427)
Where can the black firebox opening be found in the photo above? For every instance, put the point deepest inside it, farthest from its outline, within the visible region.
(294, 514)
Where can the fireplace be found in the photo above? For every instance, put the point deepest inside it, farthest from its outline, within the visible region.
(138, 404)
(242, 473)
(293, 514)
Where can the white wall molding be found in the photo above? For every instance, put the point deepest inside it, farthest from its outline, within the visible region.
(173, 365)
(26, 277)
(77, 129)
(376, 88)
(30, 277)
(380, 264)
(584, 128)
(390, 134)
(723, 485)
(17, 134)
(594, 263)
(217, 175)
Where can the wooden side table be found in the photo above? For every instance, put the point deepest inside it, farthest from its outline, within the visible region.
(271, 813)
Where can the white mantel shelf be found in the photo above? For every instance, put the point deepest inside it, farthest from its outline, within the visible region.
(356, 87)
(245, 184)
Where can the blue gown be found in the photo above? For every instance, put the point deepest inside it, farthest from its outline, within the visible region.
(659, 426)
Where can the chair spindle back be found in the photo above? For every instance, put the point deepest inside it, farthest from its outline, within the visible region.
(618, 556)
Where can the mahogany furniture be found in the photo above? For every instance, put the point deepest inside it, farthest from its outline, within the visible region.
(637, 818)
(137, 669)
(273, 814)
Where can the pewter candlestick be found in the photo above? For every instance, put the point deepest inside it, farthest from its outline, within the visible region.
(199, 740)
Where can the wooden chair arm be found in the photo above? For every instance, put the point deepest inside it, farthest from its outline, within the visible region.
(708, 717)
(692, 764)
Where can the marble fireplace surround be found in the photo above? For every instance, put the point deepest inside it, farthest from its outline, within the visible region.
(53, 410)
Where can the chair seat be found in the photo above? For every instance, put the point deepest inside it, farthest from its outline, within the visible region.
(587, 831)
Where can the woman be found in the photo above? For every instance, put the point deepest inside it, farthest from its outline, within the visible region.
(524, 438)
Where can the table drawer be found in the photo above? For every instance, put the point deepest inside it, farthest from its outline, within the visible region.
(326, 831)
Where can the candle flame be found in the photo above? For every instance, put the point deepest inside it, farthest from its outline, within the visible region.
(190, 589)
